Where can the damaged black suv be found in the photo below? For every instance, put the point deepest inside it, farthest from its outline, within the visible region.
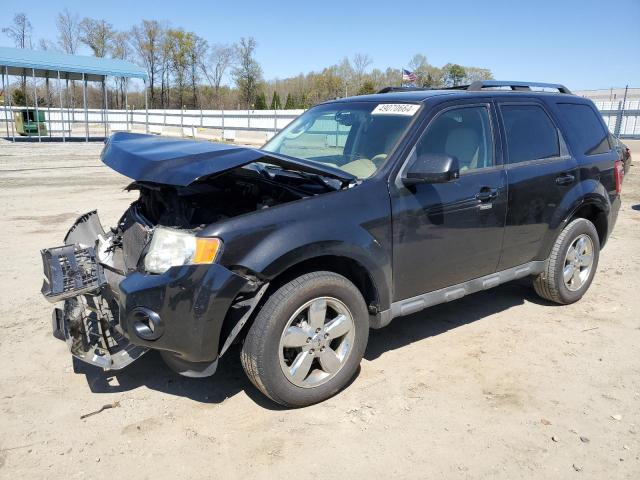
(361, 210)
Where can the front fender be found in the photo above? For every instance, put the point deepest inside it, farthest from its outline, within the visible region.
(353, 223)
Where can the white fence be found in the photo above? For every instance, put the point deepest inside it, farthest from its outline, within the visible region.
(98, 123)
(622, 120)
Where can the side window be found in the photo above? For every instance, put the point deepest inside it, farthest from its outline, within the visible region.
(531, 135)
(464, 133)
(585, 128)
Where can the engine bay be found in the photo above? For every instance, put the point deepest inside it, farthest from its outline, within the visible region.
(230, 194)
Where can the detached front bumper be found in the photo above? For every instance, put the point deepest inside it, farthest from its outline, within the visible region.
(110, 320)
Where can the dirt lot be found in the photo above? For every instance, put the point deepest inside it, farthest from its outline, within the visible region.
(497, 385)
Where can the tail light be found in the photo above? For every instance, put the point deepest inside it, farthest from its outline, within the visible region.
(617, 173)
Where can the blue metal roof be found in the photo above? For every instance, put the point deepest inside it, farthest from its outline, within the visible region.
(47, 64)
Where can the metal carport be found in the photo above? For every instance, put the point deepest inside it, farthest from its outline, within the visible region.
(61, 66)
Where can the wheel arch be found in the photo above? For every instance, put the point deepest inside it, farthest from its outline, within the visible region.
(587, 200)
(352, 269)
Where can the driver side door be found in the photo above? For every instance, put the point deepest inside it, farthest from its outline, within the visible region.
(448, 233)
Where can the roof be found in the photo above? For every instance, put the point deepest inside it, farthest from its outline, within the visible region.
(478, 88)
(401, 96)
(47, 64)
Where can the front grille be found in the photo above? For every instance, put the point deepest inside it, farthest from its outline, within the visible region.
(70, 270)
(134, 239)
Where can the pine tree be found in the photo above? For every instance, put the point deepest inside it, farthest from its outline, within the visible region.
(290, 103)
(304, 101)
(275, 101)
(261, 102)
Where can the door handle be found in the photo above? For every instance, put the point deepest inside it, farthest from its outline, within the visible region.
(565, 179)
(487, 194)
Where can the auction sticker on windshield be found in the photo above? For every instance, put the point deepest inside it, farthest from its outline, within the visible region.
(396, 109)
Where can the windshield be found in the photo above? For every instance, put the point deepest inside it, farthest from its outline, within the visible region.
(356, 137)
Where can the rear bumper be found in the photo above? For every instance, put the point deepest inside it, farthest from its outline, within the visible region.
(616, 202)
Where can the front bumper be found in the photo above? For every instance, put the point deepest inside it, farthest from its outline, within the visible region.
(110, 320)
(190, 304)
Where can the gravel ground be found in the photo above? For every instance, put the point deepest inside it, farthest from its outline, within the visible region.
(497, 385)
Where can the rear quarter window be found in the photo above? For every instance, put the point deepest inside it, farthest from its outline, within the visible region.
(531, 135)
(585, 128)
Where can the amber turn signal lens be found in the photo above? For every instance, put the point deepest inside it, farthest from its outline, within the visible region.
(206, 250)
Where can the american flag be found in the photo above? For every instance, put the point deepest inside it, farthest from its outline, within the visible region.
(408, 76)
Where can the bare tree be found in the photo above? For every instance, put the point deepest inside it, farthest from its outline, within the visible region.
(44, 44)
(248, 73)
(197, 53)
(220, 58)
(361, 61)
(147, 39)
(97, 35)
(120, 48)
(345, 70)
(20, 31)
(68, 31)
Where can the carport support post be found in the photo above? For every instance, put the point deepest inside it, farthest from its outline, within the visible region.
(61, 108)
(35, 96)
(106, 107)
(146, 108)
(86, 112)
(5, 89)
(70, 118)
(126, 106)
(13, 131)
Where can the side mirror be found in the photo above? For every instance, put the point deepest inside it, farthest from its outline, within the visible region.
(432, 168)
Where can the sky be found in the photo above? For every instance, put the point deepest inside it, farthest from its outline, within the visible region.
(583, 44)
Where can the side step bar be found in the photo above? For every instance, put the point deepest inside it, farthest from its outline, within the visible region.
(454, 292)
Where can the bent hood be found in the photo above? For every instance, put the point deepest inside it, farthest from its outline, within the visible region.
(150, 158)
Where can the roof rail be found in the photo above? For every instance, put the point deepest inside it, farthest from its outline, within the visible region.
(480, 84)
(402, 89)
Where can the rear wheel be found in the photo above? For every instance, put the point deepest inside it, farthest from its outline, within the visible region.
(572, 263)
(307, 340)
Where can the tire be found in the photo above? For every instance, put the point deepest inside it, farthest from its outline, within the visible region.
(550, 284)
(269, 363)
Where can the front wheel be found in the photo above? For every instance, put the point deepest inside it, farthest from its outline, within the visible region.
(571, 265)
(307, 340)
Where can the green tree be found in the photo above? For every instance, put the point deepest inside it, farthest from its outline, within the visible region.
(261, 102)
(453, 74)
(97, 35)
(473, 74)
(247, 73)
(19, 98)
(275, 101)
(290, 103)
(304, 101)
(367, 88)
(147, 39)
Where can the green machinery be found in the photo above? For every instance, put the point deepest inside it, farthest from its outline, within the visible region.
(27, 125)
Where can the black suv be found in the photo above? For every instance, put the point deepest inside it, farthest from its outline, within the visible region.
(362, 210)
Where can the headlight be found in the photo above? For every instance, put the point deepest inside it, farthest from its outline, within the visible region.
(170, 247)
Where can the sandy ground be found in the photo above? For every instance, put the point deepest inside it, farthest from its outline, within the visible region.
(497, 385)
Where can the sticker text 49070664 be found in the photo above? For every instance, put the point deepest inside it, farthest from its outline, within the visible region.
(396, 109)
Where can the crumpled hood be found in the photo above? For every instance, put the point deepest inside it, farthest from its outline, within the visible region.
(150, 158)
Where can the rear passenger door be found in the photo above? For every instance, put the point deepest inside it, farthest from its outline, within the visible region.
(540, 173)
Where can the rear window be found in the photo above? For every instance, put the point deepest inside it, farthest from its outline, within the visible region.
(586, 130)
(531, 135)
